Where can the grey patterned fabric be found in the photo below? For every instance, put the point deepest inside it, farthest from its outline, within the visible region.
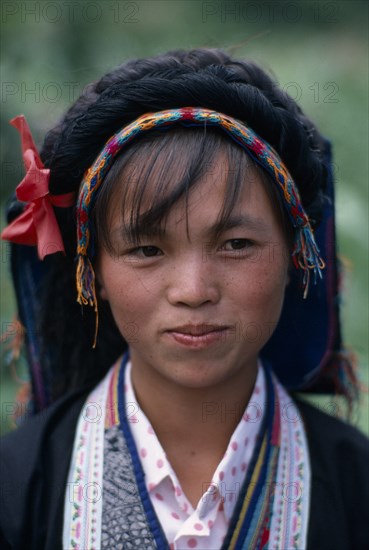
(124, 524)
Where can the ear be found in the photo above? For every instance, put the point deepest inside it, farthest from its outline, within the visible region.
(290, 267)
(102, 292)
(100, 288)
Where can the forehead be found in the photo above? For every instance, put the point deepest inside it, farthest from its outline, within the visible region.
(202, 214)
(162, 171)
(166, 167)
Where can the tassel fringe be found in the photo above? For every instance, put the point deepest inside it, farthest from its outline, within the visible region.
(306, 256)
(86, 290)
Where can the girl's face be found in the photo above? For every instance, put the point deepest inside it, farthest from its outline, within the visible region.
(196, 310)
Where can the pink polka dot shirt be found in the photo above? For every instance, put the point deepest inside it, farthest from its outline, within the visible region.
(205, 526)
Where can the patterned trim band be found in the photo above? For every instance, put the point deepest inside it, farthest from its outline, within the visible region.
(305, 254)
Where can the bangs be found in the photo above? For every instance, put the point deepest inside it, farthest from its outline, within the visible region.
(161, 168)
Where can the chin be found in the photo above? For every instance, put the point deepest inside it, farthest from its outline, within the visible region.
(204, 373)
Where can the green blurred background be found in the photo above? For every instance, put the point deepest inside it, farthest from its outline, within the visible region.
(317, 50)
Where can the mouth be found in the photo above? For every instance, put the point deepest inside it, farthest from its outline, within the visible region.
(198, 329)
(198, 335)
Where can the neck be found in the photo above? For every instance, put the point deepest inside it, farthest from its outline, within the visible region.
(193, 425)
(194, 418)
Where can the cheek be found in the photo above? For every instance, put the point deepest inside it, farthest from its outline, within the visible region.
(261, 290)
(129, 311)
(270, 291)
(131, 300)
(112, 281)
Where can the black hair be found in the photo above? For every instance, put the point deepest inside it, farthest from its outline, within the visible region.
(202, 77)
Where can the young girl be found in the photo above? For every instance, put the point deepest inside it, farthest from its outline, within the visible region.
(182, 229)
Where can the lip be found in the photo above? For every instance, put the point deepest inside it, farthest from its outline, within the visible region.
(198, 335)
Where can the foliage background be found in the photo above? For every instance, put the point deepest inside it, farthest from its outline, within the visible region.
(317, 50)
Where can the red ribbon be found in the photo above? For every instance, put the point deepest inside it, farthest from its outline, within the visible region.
(37, 225)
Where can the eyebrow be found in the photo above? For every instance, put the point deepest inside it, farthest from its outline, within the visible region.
(127, 233)
(243, 221)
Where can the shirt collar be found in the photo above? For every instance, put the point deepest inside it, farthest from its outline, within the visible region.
(230, 474)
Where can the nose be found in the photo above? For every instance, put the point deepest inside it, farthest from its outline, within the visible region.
(193, 282)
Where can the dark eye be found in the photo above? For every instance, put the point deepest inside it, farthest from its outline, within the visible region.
(237, 244)
(149, 251)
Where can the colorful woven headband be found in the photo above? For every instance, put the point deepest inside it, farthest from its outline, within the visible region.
(305, 254)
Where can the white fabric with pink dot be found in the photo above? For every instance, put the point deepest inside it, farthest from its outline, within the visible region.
(204, 527)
